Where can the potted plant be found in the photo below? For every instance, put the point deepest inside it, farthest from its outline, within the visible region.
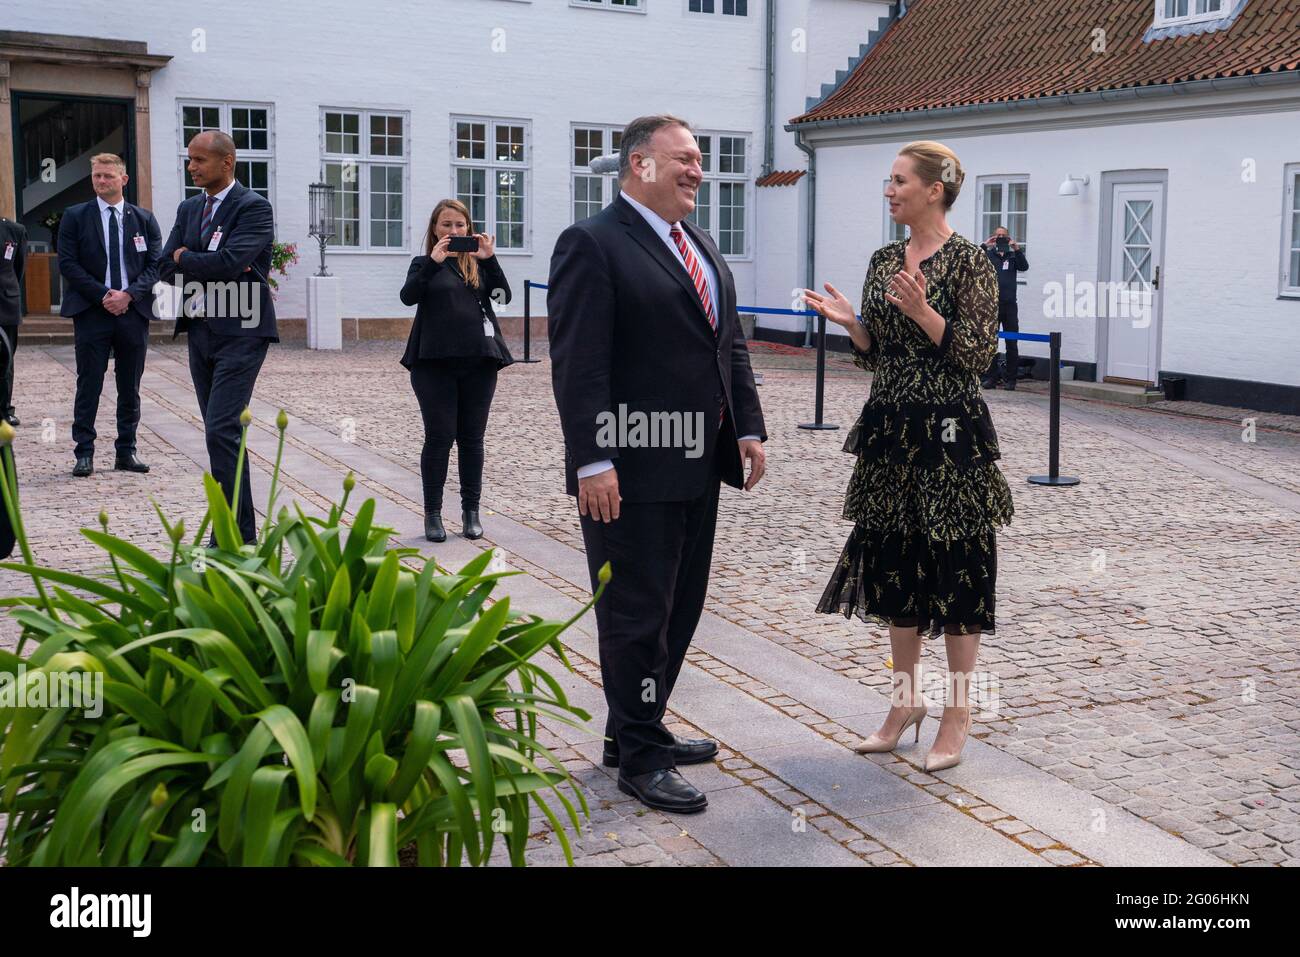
(315, 698)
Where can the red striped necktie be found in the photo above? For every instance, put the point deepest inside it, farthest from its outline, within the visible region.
(697, 275)
(702, 289)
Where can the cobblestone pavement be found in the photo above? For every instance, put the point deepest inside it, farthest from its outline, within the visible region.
(1140, 703)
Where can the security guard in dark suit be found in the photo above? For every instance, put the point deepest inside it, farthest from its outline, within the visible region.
(108, 255)
(13, 258)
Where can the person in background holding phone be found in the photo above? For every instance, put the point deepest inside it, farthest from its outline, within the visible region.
(454, 353)
(1008, 259)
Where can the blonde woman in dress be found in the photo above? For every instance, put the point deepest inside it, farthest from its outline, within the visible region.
(926, 495)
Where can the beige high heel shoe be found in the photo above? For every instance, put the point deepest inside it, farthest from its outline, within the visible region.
(944, 761)
(876, 744)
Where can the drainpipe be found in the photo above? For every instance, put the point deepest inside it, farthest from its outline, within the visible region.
(811, 226)
(769, 145)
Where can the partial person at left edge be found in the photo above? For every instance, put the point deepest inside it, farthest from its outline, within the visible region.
(108, 255)
(13, 259)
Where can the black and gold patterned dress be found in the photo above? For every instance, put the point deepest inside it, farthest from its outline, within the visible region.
(926, 494)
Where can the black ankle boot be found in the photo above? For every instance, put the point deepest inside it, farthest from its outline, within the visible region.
(470, 523)
(433, 529)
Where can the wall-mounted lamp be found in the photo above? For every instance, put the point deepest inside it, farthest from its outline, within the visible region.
(1071, 185)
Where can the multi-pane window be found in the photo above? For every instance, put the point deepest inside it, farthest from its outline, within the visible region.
(248, 124)
(364, 156)
(633, 5)
(592, 192)
(893, 231)
(1291, 232)
(1176, 9)
(490, 165)
(1004, 201)
(722, 203)
(730, 8)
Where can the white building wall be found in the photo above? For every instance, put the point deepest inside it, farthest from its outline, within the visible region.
(545, 62)
(814, 39)
(1221, 314)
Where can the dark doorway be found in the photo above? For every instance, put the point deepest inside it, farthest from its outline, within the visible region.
(54, 137)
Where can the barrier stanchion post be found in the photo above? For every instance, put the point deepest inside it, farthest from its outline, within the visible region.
(821, 379)
(528, 320)
(1054, 476)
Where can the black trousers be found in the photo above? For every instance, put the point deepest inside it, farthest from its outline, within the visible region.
(224, 369)
(94, 333)
(11, 333)
(1008, 321)
(455, 397)
(660, 554)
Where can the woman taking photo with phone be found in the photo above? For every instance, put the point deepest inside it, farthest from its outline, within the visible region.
(926, 494)
(454, 353)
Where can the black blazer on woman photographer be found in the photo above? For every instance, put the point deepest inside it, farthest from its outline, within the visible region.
(449, 314)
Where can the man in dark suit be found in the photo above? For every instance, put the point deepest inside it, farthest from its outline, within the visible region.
(219, 253)
(643, 332)
(1008, 259)
(13, 249)
(108, 255)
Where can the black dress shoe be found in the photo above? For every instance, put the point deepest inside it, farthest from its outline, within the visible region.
(129, 463)
(12, 419)
(470, 524)
(433, 529)
(85, 465)
(1010, 385)
(988, 383)
(664, 790)
(685, 751)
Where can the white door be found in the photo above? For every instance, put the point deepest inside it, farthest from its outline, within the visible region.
(1133, 296)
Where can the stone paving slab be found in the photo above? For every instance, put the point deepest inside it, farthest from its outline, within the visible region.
(936, 835)
(839, 780)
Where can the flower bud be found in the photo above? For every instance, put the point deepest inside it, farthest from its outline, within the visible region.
(349, 482)
(246, 417)
(103, 518)
(7, 432)
(604, 575)
(178, 532)
(282, 420)
(159, 796)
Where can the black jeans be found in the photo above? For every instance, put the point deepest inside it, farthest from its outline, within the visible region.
(94, 333)
(455, 397)
(8, 357)
(1008, 321)
(660, 554)
(224, 369)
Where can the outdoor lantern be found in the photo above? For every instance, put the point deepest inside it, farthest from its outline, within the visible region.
(1071, 185)
(322, 215)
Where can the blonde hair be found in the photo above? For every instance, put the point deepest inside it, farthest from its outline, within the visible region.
(936, 163)
(109, 159)
(467, 262)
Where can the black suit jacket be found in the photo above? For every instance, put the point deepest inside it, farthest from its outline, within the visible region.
(449, 314)
(242, 257)
(627, 328)
(83, 258)
(12, 236)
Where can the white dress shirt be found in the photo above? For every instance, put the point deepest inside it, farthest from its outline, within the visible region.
(218, 198)
(663, 229)
(120, 207)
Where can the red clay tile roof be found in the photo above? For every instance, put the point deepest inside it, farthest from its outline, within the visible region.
(944, 53)
(780, 177)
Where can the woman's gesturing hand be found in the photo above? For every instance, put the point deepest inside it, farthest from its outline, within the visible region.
(908, 294)
(439, 252)
(834, 307)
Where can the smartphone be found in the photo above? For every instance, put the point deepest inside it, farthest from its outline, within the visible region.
(463, 244)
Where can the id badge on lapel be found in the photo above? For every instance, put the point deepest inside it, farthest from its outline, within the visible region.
(215, 241)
